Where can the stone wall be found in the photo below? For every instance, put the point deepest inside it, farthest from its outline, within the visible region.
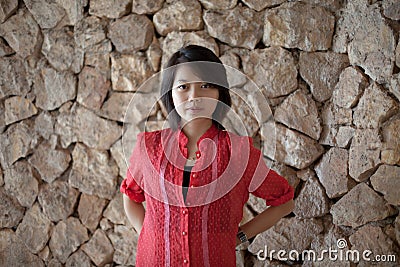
(330, 70)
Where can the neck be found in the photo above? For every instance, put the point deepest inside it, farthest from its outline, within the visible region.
(196, 128)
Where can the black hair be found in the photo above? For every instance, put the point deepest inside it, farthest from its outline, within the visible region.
(214, 74)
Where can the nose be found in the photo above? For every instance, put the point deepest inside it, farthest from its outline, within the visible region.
(193, 92)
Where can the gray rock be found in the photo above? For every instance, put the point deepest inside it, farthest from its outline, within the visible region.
(331, 5)
(73, 9)
(375, 106)
(312, 201)
(16, 142)
(98, 56)
(99, 248)
(129, 72)
(93, 204)
(178, 16)
(344, 135)
(259, 5)
(117, 104)
(299, 25)
(7, 8)
(89, 31)
(124, 241)
(52, 88)
(360, 206)
(131, 33)
(61, 51)
(292, 148)
(99, 181)
(398, 54)
(113, 10)
(5, 50)
(215, 4)
(66, 237)
(82, 125)
(22, 33)
(47, 13)
(332, 172)
(13, 250)
(349, 88)
(397, 228)
(11, 211)
(58, 200)
(12, 84)
(78, 258)
(175, 40)
(34, 230)
(386, 181)
(333, 117)
(299, 111)
(390, 151)
(394, 87)
(20, 183)
(365, 35)
(18, 108)
(154, 54)
(92, 88)
(146, 7)
(291, 233)
(115, 211)
(49, 162)
(240, 26)
(273, 69)
(44, 124)
(321, 70)
(373, 239)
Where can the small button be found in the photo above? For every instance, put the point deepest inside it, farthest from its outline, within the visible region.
(185, 261)
(183, 233)
(184, 211)
(193, 175)
(198, 154)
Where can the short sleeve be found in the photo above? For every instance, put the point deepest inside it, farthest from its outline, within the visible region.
(266, 183)
(130, 185)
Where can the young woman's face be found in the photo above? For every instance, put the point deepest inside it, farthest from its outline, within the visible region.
(192, 97)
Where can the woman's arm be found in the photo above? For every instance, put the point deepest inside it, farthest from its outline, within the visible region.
(135, 213)
(266, 219)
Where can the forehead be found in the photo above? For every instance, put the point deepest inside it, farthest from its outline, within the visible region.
(186, 74)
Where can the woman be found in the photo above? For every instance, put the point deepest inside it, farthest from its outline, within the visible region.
(196, 177)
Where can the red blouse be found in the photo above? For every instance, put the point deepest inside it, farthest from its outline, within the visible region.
(202, 230)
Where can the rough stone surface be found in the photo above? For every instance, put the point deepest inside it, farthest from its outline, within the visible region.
(333, 117)
(259, 5)
(299, 25)
(5, 50)
(89, 31)
(394, 87)
(372, 238)
(273, 69)
(375, 106)
(18, 108)
(292, 148)
(13, 250)
(67, 236)
(34, 230)
(349, 88)
(20, 183)
(321, 70)
(93, 172)
(124, 242)
(116, 106)
(240, 26)
(11, 211)
(58, 200)
(22, 33)
(73, 9)
(80, 124)
(131, 33)
(98, 56)
(7, 8)
(129, 72)
(391, 9)
(61, 51)
(299, 111)
(344, 135)
(99, 248)
(215, 4)
(47, 13)
(364, 154)
(50, 163)
(146, 7)
(110, 9)
(332, 172)
(360, 206)
(115, 211)
(93, 204)
(390, 151)
(386, 180)
(312, 201)
(92, 88)
(369, 41)
(44, 124)
(178, 16)
(288, 232)
(79, 258)
(11, 84)
(53, 88)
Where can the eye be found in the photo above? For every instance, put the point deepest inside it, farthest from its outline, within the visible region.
(182, 87)
(207, 85)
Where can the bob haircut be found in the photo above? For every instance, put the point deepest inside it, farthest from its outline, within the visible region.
(214, 74)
